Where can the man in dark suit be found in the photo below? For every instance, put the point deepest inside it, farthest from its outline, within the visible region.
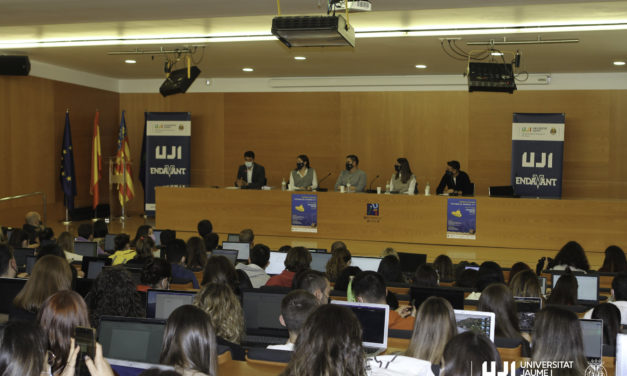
(250, 175)
(455, 181)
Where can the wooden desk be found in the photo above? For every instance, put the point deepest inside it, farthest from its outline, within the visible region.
(238, 368)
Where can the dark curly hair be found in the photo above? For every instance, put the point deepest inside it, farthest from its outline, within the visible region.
(155, 271)
(572, 254)
(114, 294)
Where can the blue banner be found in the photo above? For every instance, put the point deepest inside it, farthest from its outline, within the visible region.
(168, 147)
(537, 155)
(304, 213)
(66, 175)
(461, 218)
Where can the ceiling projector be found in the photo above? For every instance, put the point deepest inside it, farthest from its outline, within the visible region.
(313, 31)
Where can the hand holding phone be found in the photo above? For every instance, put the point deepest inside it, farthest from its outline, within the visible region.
(86, 340)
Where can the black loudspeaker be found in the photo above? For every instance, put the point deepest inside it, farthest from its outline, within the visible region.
(178, 82)
(495, 77)
(14, 65)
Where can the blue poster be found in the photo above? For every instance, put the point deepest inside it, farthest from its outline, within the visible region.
(304, 213)
(461, 218)
(537, 155)
(168, 148)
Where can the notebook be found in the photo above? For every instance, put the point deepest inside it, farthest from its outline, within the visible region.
(126, 368)
(86, 248)
(276, 264)
(592, 331)
(242, 248)
(374, 323)
(161, 303)
(455, 296)
(92, 266)
(477, 321)
(366, 263)
(588, 291)
(319, 261)
(411, 261)
(131, 339)
(231, 254)
(262, 308)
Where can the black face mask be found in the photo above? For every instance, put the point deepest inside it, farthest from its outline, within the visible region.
(397, 168)
(349, 166)
(299, 165)
(449, 173)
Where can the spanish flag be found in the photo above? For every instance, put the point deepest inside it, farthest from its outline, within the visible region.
(96, 162)
(123, 165)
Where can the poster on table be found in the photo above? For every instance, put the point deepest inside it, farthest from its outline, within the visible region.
(537, 155)
(461, 218)
(168, 144)
(304, 213)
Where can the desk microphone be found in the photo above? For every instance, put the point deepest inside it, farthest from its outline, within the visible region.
(373, 180)
(320, 181)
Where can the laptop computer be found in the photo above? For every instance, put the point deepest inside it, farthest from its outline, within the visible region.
(276, 264)
(621, 354)
(592, 331)
(454, 295)
(411, 261)
(127, 368)
(588, 290)
(132, 339)
(161, 303)
(527, 308)
(502, 191)
(242, 248)
(231, 254)
(86, 248)
(109, 242)
(92, 266)
(366, 263)
(374, 323)
(262, 308)
(319, 261)
(317, 250)
(232, 238)
(477, 321)
(9, 288)
(542, 281)
(30, 264)
(20, 256)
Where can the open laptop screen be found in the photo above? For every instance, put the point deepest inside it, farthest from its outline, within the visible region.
(411, 261)
(319, 261)
(92, 266)
(132, 339)
(157, 235)
(86, 248)
(588, 290)
(161, 303)
(592, 331)
(621, 354)
(231, 254)
(242, 248)
(366, 263)
(374, 322)
(277, 263)
(262, 309)
(454, 295)
(477, 321)
(109, 242)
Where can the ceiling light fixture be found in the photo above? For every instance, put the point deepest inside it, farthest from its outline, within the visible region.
(421, 66)
(247, 69)
(130, 61)
(619, 63)
(496, 53)
(300, 58)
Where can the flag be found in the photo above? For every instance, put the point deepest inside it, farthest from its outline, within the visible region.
(67, 176)
(122, 159)
(142, 158)
(96, 162)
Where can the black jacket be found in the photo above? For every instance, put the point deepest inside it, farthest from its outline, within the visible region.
(463, 184)
(259, 176)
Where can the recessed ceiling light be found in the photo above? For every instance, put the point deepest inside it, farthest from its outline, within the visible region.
(421, 66)
(130, 61)
(300, 58)
(619, 63)
(494, 53)
(247, 69)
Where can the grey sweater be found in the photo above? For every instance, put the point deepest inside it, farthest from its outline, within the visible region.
(356, 179)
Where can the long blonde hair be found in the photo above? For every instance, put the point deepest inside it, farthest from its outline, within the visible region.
(225, 311)
(50, 274)
(435, 325)
(66, 242)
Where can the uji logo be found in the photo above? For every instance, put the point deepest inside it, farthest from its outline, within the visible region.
(372, 210)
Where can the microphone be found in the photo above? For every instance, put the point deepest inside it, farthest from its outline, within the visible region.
(320, 181)
(372, 181)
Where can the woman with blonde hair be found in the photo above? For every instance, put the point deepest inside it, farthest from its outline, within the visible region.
(337, 263)
(525, 284)
(224, 309)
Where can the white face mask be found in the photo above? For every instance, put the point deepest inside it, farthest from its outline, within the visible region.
(248, 164)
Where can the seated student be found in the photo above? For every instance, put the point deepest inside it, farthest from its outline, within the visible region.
(454, 181)
(211, 241)
(425, 276)
(46, 236)
(467, 279)
(205, 227)
(224, 310)
(66, 243)
(390, 270)
(247, 236)
(336, 245)
(50, 274)
(189, 342)
(19, 239)
(297, 259)
(389, 251)
(100, 231)
(369, 287)
(315, 283)
(565, 291)
(489, 272)
(196, 254)
(156, 275)
(8, 266)
(329, 343)
(176, 255)
(143, 231)
(557, 337)
(295, 308)
(59, 315)
(610, 314)
(144, 247)
(525, 284)
(466, 352)
(165, 238)
(219, 269)
(114, 294)
(571, 256)
(517, 268)
(615, 261)
(257, 263)
(85, 233)
(22, 349)
(618, 298)
(344, 280)
(340, 259)
(498, 298)
(444, 266)
(123, 252)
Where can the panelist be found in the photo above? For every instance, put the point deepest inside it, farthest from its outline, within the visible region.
(402, 181)
(455, 181)
(303, 178)
(250, 175)
(351, 175)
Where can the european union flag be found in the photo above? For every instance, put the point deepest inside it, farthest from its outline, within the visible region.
(68, 181)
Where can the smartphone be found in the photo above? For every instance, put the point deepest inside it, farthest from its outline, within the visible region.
(86, 339)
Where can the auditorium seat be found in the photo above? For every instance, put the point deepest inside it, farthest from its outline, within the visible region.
(512, 354)
(609, 362)
(199, 276)
(224, 354)
(258, 355)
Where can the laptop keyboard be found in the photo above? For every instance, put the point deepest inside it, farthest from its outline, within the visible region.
(258, 341)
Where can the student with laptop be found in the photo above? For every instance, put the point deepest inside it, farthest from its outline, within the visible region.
(465, 353)
(369, 287)
(314, 282)
(257, 264)
(8, 266)
(296, 307)
(340, 260)
(247, 236)
(196, 254)
(571, 256)
(224, 310)
(204, 227)
(66, 242)
(618, 298)
(176, 255)
(565, 291)
(122, 252)
(156, 275)
(525, 284)
(498, 298)
(298, 258)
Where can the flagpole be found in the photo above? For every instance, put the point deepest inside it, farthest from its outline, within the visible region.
(67, 213)
(124, 188)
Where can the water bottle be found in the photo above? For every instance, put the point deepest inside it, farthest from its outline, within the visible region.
(427, 189)
(283, 184)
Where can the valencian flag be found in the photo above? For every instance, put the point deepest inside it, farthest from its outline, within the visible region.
(68, 182)
(96, 162)
(123, 158)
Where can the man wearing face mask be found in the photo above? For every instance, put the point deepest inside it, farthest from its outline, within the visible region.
(250, 175)
(455, 181)
(351, 175)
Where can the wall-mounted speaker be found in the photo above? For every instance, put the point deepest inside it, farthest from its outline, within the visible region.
(11, 65)
(178, 82)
